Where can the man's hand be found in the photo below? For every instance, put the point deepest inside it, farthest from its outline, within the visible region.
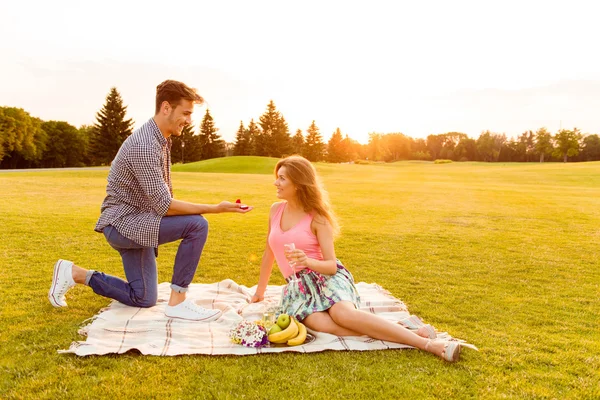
(227, 206)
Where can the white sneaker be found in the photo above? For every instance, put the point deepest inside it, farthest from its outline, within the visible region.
(191, 311)
(62, 281)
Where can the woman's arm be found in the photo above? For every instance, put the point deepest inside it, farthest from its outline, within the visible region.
(324, 233)
(266, 265)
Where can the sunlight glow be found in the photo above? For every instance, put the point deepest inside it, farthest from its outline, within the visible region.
(380, 66)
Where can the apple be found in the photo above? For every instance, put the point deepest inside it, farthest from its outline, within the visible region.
(283, 321)
(274, 329)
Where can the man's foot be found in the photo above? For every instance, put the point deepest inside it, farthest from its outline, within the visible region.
(192, 312)
(62, 281)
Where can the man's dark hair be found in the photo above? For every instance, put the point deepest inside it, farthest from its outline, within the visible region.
(173, 92)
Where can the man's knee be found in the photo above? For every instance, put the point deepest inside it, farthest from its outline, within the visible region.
(199, 225)
(144, 301)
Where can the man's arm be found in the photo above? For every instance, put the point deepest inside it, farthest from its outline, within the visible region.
(145, 164)
(179, 207)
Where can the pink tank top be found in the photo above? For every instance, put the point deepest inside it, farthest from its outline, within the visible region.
(301, 235)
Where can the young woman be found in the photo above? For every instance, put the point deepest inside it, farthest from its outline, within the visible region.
(324, 297)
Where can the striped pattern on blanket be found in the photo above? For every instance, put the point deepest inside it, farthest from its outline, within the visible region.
(119, 328)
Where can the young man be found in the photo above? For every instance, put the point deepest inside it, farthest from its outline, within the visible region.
(139, 213)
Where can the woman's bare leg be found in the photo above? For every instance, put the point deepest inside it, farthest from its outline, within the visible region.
(321, 322)
(347, 316)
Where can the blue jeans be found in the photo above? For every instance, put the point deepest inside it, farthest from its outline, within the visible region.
(141, 287)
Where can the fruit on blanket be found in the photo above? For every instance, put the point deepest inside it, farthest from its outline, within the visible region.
(301, 338)
(274, 329)
(283, 321)
(288, 333)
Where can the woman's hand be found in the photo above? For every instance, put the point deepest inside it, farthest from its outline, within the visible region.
(256, 298)
(297, 257)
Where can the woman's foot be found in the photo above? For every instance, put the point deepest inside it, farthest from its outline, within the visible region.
(427, 331)
(416, 325)
(448, 350)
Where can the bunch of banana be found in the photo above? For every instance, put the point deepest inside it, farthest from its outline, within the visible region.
(300, 338)
(293, 335)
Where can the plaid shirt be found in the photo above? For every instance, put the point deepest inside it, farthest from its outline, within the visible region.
(139, 189)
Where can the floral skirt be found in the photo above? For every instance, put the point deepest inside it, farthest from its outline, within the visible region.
(314, 292)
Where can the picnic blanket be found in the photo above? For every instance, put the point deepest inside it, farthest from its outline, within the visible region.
(120, 328)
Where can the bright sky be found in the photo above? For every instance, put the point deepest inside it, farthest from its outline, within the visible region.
(417, 67)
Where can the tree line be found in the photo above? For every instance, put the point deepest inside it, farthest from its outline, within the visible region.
(565, 145)
(29, 142)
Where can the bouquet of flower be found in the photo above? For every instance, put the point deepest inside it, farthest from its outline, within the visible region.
(249, 334)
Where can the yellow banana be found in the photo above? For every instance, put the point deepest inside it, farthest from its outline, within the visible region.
(288, 333)
(301, 336)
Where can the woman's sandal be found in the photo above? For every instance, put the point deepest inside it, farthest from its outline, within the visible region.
(451, 352)
(427, 331)
(416, 325)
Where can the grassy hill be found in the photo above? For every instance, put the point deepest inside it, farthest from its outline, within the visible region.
(236, 165)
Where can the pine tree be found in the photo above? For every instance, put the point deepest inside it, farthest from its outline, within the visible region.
(241, 147)
(211, 143)
(184, 147)
(111, 128)
(274, 141)
(335, 150)
(252, 134)
(261, 142)
(281, 139)
(314, 147)
(298, 143)
(244, 140)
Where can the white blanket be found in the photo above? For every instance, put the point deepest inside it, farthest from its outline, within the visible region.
(119, 328)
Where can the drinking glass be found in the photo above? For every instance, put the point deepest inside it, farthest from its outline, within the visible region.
(269, 315)
(287, 247)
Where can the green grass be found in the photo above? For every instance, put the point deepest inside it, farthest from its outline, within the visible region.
(505, 256)
(236, 165)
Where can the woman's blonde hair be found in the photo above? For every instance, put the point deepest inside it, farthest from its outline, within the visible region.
(309, 190)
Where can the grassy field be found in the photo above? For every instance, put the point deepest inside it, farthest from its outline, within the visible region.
(505, 256)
